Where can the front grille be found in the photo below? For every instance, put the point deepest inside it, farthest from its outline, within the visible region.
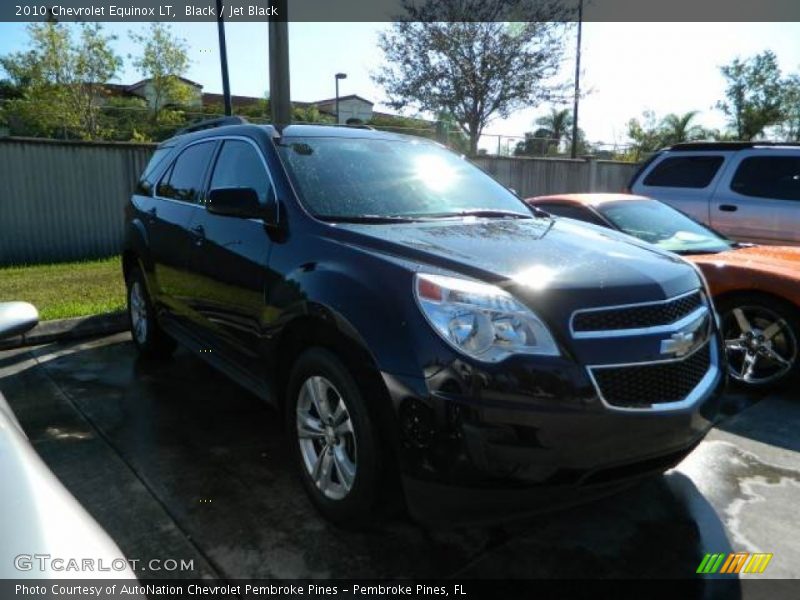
(640, 386)
(635, 317)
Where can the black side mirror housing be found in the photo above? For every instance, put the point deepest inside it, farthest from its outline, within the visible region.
(241, 202)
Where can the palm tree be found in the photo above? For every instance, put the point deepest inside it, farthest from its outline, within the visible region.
(559, 125)
(678, 128)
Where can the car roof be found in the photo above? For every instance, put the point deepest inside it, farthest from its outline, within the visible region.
(588, 199)
(288, 131)
(702, 146)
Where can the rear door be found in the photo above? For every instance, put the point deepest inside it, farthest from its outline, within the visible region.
(758, 198)
(684, 180)
(229, 259)
(176, 199)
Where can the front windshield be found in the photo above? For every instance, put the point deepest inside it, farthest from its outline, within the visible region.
(667, 228)
(340, 178)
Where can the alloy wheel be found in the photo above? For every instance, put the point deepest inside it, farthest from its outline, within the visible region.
(138, 310)
(760, 344)
(327, 438)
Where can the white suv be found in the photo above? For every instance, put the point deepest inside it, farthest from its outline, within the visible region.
(749, 191)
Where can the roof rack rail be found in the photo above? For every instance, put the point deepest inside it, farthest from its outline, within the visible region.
(705, 146)
(211, 123)
(359, 126)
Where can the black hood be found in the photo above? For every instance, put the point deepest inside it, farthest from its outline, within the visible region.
(542, 258)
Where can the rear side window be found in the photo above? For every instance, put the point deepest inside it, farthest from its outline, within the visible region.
(684, 171)
(184, 179)
(768, 177)
(240, 165)
(581, 213)
(145, 185)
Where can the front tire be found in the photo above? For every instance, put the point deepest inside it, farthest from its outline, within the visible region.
(149, 339)
(761, 340)
(333, 439)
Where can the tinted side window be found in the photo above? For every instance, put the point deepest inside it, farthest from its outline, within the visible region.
(684, 171)
(768, 177)
(184, 180)
(240, 165)
(145, 185)
(570, 211)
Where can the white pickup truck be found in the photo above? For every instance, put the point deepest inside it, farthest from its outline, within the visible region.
(748, 191)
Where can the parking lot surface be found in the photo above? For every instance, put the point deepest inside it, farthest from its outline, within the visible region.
(176, 461)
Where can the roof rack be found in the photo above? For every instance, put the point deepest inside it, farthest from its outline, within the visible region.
(704, 146)
(211, 123)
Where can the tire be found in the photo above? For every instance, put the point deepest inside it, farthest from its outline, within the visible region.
(337, 456)
(149, 339)
(772, 345)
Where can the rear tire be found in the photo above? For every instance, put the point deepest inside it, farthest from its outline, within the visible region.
(149, 339)
(333, 439)
(762, 340)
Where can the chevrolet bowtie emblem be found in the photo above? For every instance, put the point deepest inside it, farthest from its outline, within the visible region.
(679, 344)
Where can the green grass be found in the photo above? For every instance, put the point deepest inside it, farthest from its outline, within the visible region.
(66, 290)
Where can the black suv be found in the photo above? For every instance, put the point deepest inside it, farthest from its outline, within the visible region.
(415, 324)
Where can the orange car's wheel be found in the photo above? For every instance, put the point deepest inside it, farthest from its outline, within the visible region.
(761, 339)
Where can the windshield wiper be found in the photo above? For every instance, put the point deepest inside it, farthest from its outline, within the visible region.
(480, 212)
(377, 219)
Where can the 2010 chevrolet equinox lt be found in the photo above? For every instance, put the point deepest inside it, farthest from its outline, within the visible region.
(415, 324)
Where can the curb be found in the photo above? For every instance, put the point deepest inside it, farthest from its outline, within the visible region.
(69, 329)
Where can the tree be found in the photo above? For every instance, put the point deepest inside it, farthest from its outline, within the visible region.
(754, 94)
(676, 129)
(536, 143)
(646, 135)
(458, 56)
(558, 124)
(789, 128)
(59, 81)
(164, 60)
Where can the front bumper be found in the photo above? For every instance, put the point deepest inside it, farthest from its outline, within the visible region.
(483, 441)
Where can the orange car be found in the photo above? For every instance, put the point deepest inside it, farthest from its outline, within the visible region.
(756, 289)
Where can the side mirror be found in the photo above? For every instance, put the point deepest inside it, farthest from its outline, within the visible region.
(239, 202)
(16, 318)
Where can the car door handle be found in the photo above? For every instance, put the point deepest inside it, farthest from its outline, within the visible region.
(199, 233)
(728, 207)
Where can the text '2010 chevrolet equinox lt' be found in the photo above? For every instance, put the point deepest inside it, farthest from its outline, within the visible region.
(424, 335)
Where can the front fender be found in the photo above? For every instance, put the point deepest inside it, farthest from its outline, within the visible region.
(371, 309)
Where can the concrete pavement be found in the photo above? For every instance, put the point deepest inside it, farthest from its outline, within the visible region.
(176, 461)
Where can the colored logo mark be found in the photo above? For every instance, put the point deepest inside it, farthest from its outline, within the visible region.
(734, 563)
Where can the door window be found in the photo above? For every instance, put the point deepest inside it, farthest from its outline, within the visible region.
(768, 177)
(684, 171)
(239, 165)
(184, 180)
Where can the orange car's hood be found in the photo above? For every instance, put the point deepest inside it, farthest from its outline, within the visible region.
(769, 269)
(780, 260)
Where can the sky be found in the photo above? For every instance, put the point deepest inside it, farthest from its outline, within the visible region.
(627, 68)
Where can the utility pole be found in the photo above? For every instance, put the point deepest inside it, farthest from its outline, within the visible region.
(279, 94)
(223, 58)
(338, 76)
(574, 150)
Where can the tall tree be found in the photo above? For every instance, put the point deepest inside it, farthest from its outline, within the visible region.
(754, 94)
(59, 81)
(460, 57)
(164, 59)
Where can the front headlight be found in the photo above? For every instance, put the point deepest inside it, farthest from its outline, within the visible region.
(481, 320)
